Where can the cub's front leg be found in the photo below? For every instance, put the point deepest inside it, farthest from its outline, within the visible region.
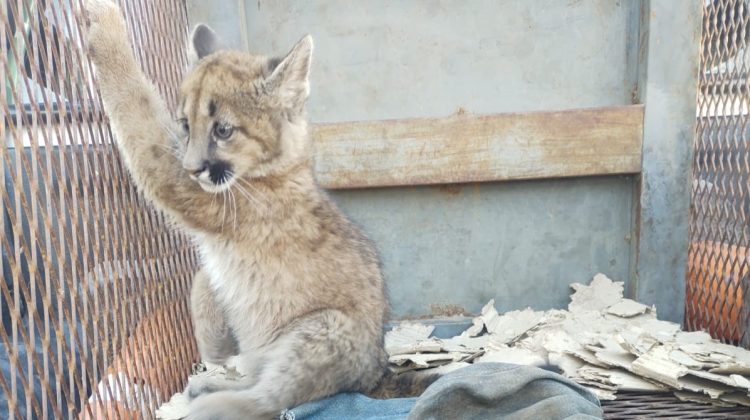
(216, 342)
(146, 134)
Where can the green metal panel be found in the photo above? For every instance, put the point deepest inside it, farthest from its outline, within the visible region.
(521, 243)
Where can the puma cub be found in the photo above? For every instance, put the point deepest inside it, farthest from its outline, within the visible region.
(286, 281)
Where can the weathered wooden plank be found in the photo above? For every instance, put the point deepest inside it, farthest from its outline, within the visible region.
(470, 148)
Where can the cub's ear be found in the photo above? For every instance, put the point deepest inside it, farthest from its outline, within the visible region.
(203, 42)
(289, 79)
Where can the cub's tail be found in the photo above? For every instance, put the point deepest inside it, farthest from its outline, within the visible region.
(399, 385)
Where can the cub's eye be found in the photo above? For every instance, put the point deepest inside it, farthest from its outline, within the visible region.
(184, 123)
(223, 131)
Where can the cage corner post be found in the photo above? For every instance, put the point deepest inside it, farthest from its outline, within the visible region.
(667, 86)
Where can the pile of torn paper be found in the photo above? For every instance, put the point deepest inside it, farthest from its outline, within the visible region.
(603, 341)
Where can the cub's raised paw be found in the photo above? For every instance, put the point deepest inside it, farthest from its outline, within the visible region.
(96, 11)
(107, 33)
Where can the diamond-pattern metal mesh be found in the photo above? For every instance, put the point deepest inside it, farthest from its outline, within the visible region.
(94, 287)
(718, 281)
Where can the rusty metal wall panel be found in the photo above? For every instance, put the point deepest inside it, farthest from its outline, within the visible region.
(94, 286)
(450, 249)
(411, 59)
(718, 282)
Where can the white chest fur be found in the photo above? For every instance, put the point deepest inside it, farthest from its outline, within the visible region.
(218, 261)
(231, 273)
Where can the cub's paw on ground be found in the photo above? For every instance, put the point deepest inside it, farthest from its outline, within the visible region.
(223, 405)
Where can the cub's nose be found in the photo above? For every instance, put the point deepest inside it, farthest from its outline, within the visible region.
(195, 172)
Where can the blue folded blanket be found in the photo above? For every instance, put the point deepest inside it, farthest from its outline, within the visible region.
(479, 391)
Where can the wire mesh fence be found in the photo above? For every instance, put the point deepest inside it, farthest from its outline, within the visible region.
(94, 285)
(718, 282)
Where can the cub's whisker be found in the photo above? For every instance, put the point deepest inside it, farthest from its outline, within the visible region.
(251, 200)
(252, 187)
(243, 191)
